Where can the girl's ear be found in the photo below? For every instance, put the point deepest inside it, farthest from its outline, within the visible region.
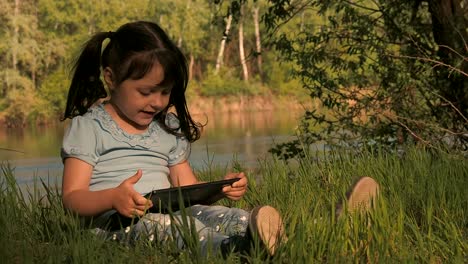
(109, 78)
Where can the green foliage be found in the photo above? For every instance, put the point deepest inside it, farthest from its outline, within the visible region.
(54, 91)
(378, 71)
(24, 106)
(21, 105)
(224, 84)
(280, 79)
(187, 22)
(42, 39)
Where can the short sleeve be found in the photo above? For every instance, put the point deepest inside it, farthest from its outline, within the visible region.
(181, 151)
(79, 141)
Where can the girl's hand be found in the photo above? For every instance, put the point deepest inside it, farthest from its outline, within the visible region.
(236, 190)
(129, 202)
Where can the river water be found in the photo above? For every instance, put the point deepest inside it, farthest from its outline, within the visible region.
(34, 152)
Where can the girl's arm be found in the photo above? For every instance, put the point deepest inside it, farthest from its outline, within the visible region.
(181, 174)
(77, 197)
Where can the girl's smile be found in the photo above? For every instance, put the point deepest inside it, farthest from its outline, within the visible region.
(148, 114)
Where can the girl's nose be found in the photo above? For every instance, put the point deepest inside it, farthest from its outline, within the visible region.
(158, 101)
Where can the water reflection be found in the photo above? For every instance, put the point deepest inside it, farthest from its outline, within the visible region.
(245, 136)
(31, 142)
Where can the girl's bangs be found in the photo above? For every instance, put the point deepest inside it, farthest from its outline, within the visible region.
(142, 63)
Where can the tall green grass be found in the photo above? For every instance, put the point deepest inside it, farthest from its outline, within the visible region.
(421, 216)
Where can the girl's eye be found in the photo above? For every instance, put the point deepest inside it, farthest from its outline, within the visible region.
(150, 92)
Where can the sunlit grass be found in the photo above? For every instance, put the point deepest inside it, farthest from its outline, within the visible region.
(421, 215)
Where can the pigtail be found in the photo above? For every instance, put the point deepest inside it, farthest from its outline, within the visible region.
(190, 128)
(86, 86)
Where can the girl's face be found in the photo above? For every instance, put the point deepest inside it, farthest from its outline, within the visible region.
(134, 103)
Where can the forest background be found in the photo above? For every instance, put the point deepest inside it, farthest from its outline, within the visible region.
(40, 40)
(376, 71)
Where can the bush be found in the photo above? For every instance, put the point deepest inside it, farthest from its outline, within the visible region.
(54, 91)
(224, 84)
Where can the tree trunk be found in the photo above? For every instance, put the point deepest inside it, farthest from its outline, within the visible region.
(449, 30)
(219, 60)
(243, 61)
(14, 48)
(36, 56)
(179, 42)
(191, 63)
(258, 41)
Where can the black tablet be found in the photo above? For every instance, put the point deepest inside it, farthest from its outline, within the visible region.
(171, 199)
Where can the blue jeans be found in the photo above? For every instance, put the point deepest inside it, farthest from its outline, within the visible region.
(218, 228)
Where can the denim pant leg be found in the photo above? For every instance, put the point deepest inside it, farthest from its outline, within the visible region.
(224, 220)
(163, 227)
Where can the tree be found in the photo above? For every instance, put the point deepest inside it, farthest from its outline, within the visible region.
(219, 59)
(19, 57)
(186, 21)
(384, 72)
(258, 39)
(245, 70)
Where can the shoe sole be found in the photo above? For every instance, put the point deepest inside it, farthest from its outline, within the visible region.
(361, 196)
(266, 223)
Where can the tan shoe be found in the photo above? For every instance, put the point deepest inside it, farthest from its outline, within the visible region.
(265, 223)
(361, 197)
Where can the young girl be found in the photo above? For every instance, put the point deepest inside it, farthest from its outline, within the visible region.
(118, 150)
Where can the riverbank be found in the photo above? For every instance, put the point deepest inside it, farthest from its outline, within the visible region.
(203, 105)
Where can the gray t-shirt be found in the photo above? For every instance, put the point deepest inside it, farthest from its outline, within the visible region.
(116, 155)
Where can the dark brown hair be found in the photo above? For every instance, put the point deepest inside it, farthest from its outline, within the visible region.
(131, 53)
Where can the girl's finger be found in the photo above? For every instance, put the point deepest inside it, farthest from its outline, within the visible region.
(238, 193)
(234, 197)
(234, 189)
(142, 208)
(140, 200)
(240, 183)
(136, 213)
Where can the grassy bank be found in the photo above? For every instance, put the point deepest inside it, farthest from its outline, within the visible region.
(422, 215)
(225, 104)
